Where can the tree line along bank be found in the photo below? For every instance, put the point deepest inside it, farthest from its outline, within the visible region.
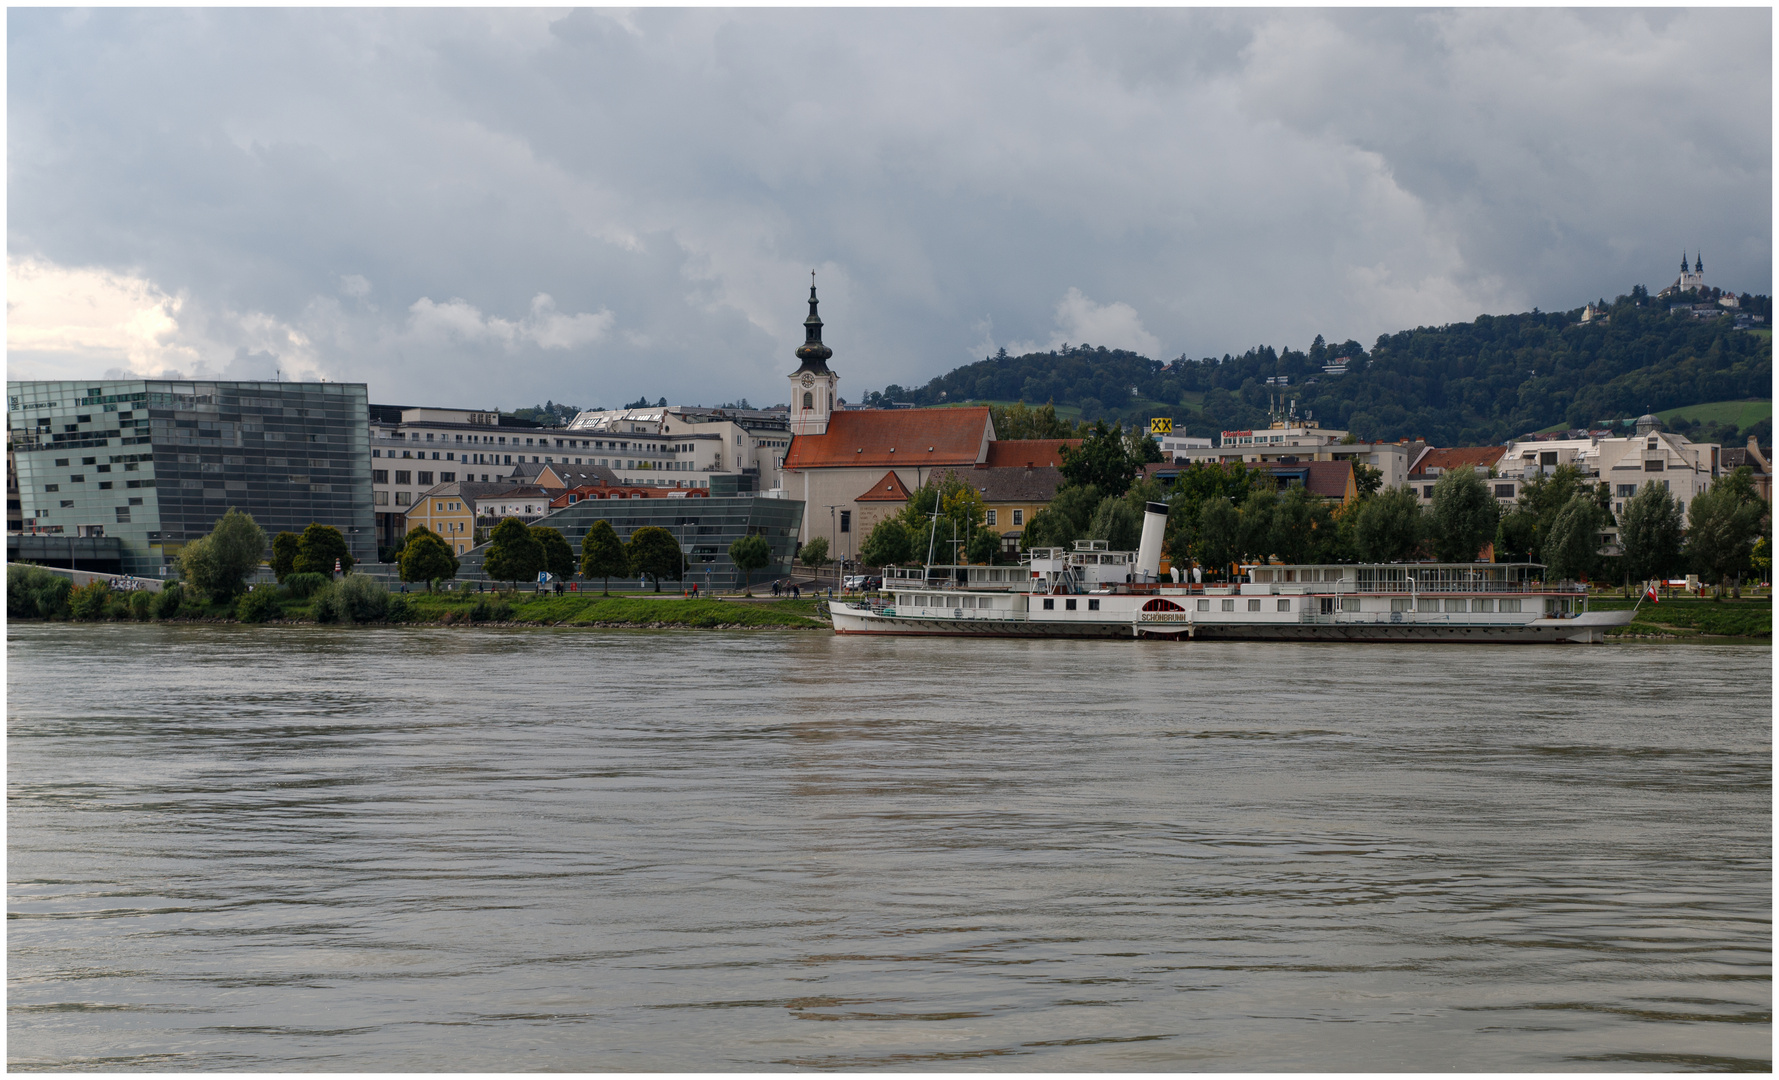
(1224, 515)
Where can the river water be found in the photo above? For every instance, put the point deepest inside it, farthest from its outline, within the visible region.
(313, 848)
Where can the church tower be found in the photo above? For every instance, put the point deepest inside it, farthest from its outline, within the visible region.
(1694, 278)
(813, 386)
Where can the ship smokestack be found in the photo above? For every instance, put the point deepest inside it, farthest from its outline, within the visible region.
(1148, 566)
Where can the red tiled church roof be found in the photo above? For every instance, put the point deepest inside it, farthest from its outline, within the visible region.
(885, 438)
(1018, 453)
(889, 489)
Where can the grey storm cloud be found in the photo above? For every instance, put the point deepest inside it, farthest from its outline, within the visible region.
(495, 207)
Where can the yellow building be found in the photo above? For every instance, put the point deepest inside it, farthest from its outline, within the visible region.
(448, 511)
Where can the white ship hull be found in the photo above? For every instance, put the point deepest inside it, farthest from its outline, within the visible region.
(1123, 617)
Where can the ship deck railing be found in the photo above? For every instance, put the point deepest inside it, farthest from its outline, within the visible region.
(1420, 618)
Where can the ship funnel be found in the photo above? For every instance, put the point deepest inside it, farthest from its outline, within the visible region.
(1148, 566)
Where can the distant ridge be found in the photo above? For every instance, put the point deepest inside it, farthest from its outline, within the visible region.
(1463, 384)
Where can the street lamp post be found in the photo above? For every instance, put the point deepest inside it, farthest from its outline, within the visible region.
(833, 531)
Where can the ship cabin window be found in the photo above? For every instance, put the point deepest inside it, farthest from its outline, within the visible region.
(1509, 605)
(1401, 603)
(1228, 605)
(1204, 605)
(1284, 605)
(1069, 604)
(1093, 605)
(1349, 603)
(1427, 603)
(1290, 575)
(1456, 605)
(1049, 605)
(1480, 604)
(1253, 605)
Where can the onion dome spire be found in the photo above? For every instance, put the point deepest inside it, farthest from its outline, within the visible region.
(813, 353)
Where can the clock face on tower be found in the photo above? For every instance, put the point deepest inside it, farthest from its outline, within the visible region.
(808, 379)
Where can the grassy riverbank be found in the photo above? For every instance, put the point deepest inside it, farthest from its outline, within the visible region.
(355, 600)
(638, 610)
(1690, 617)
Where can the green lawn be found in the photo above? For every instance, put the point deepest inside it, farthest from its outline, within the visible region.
(1742, 414)
(1691, 617)
(640, 609)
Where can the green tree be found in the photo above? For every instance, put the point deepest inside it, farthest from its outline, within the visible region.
(1543, 497)
(218, 564)
(1516, 536)
(654, 552)
(985, 546)
(89, 601)
(1389, 526)
(426, 557)
(1117, 523)
(889, 543)
(960, 512)
(318, 548)
(1464, 516)
(1018, 421)
(1299, 521)
(1254, 536)
(1217, 541)
(353, 598)
(1104, 460)
(1571, 547)
(1229, 480)
(750, 553)
(34, 593)
(1065, 520)
(1723, 524)
(284, 555)
(602, 554)
(1650, 531)
(513, 553)
(814, 554)
(1368, 479)
(558, 556)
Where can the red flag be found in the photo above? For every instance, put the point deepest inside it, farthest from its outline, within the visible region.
(1649, 594)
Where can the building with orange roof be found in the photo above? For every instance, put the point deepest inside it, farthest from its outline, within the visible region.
(1485, 461)
(838, 456)
(600, 491)
(1027, 453)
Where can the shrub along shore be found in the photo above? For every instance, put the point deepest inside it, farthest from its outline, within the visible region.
(35, 593)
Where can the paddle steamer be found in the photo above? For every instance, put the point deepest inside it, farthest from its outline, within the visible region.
(1093, 592)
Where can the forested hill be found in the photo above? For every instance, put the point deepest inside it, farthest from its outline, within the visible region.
(1465, 384)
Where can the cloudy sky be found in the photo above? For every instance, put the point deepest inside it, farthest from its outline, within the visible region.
(476, 208)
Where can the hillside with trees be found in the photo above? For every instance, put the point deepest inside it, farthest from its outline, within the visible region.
(1473, 383)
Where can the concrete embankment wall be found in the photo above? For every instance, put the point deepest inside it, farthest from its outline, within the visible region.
(82, 577)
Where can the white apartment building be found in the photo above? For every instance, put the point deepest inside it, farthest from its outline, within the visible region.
(683, 446)
(1170, 443)
(1293, 439)
(412, 449)
(1684, 467)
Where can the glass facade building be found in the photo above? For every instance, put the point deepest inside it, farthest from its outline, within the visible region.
(704, 527)
(155, 462)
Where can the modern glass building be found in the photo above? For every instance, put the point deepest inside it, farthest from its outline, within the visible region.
(155, 462)
(705, 527)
